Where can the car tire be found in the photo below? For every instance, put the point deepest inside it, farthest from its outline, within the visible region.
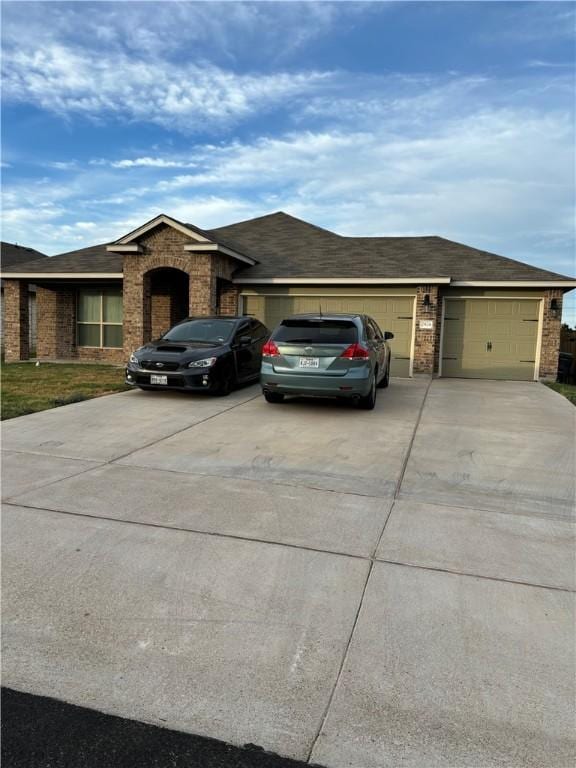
(368, 402)
(273, 397)
(225, 387)
(385, 380)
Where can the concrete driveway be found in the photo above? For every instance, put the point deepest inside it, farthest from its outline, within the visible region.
(352, 588)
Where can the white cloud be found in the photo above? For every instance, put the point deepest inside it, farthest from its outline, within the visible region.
(185, 97)
(151, 162)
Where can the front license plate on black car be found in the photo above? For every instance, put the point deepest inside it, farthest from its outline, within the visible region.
(154, 379)
(309, 362)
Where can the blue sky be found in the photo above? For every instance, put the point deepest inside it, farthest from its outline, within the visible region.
(398, 118)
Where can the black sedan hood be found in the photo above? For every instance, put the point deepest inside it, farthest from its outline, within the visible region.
(180, 351)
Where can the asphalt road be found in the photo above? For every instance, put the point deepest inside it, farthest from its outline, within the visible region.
(38, 732)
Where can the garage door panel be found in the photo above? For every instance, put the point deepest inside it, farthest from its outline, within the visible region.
(394, 314)
(490, 338)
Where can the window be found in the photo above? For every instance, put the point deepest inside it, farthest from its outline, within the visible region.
(317, 331)
(100, 317)
(216, 331)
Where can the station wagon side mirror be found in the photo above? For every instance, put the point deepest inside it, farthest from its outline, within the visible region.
(388, 335)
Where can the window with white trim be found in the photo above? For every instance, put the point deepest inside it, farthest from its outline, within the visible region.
(99, 317)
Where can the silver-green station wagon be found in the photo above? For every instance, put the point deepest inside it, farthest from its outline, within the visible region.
(333, 355)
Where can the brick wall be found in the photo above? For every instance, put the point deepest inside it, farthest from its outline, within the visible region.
(16, 321)
(427, 340)
(163, 248)
(229, 294)
(56, 334)
(551, 326)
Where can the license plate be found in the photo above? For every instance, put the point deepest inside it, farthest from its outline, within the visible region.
(309, 362)
(154, 379)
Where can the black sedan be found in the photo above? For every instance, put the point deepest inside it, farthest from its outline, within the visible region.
(211, 354)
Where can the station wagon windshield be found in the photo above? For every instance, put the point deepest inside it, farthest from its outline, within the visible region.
(212, 331)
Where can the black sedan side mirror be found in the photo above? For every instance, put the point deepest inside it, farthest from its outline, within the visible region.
(388, 335)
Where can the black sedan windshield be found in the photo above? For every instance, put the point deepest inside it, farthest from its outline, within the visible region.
(213, 331)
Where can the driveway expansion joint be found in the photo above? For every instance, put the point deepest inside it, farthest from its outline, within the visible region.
(370, 569)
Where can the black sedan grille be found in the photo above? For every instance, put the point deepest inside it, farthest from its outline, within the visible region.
(159, 366)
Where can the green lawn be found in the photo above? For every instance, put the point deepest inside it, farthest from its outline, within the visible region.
(27, 388)
(568, 390)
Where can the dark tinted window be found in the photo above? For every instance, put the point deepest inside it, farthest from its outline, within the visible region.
(258, 331)
(375, 330)
(379, 333)
(215, 331)
(370, 332)
(316, 332)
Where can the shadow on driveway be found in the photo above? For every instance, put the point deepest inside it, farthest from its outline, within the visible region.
(39, 732)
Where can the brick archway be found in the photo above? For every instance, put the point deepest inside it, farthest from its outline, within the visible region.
(166, 293)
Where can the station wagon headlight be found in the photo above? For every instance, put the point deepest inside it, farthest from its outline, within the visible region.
(207, 362)
(133, 359)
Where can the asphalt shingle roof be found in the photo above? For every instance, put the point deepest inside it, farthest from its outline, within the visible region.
(13, 254)
(287, 247)
(95, 258)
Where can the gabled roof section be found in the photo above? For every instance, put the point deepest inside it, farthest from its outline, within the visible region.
(192, 232)
(200, 240)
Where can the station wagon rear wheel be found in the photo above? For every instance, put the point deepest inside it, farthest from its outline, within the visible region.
(385, 380)
(369, 401)
(273, 397)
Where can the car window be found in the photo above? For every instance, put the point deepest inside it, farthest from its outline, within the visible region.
(379, 333)
(258, 331)
(215, 331)
(242, 330)
(375, 329)
(370, 332)
(316, 331)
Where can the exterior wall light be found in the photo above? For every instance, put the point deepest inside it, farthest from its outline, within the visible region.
(555, 308)
(426, 303)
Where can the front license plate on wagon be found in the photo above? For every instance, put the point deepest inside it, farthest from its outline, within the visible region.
(309, 362)
(154, 379)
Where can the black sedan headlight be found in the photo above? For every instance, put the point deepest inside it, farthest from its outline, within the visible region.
(207, 362)
(134, 359)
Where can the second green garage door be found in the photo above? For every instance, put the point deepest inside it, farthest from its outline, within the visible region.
(490, 338)
(392, 313)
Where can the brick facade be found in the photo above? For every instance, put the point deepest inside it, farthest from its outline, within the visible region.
(164, 283)
(56, 335)
(427, 340)
(16, 321)
(163, 248)
(551, 325)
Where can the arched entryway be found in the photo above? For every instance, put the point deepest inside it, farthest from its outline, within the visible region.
(168, 292)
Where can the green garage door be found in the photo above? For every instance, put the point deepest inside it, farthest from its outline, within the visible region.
(392, 313)
(490, 338)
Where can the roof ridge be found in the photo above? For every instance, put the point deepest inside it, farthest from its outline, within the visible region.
(282, 214)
